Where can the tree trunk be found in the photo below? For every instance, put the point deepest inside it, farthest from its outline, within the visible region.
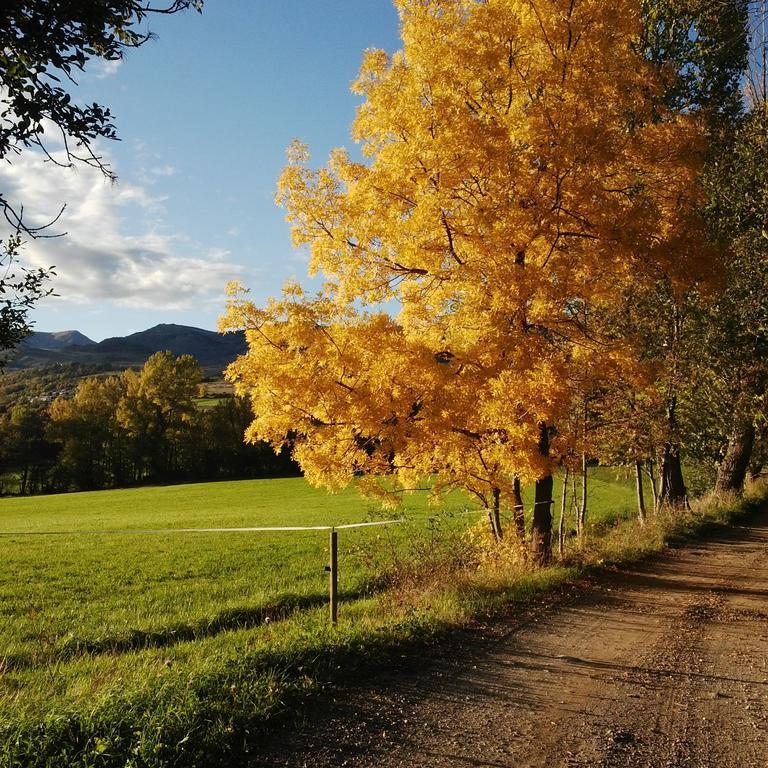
(519, 513)
(654, 487)
(583, 507)
(575, 504)
(541, 529)
(561, 524)
(640, 499)
(673, 490)
(498, 532)
(733, 469)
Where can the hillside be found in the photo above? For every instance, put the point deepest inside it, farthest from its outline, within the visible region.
(56, 340)
(212, 350)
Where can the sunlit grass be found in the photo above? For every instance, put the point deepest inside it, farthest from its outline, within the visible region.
(72, 595)
(111, 644)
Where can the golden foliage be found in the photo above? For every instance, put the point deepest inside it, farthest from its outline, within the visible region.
(520, 171)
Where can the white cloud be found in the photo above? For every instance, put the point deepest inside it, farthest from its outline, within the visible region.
(116, 246)
(218, 254)
(100, 69)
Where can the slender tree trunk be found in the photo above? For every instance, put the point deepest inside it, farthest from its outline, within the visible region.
(640, 500)
(519, 512)
(650, 469)
(496, 523)
(541, 529)
(576, 504)
(561, 523)
(732, 471)
(584, 488)
(755, 470)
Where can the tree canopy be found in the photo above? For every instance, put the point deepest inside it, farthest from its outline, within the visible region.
(521, 171)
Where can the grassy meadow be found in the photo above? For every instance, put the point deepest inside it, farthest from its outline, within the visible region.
(68, 597)
(126, 640)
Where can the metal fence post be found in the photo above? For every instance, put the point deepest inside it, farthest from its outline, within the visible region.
(334, 575)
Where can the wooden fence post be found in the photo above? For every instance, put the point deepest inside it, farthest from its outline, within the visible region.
(334, 576)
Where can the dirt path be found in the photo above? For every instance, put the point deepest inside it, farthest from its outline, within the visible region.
(662, 666)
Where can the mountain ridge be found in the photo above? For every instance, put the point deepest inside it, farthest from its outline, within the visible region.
(214, 351)
(52, 340)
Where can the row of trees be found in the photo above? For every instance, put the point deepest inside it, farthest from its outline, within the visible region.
(567, 203)
(140, 427)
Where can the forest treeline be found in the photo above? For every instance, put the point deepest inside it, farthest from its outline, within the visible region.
(138, 427)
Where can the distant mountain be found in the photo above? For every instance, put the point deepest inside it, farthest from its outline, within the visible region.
(57, 340)
(212, 350)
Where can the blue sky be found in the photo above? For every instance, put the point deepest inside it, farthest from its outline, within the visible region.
(205, 113)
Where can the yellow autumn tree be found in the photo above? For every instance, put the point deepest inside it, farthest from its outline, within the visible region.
(518, 171)
(92, 444)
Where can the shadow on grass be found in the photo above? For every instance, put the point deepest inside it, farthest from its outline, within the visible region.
(279, 609)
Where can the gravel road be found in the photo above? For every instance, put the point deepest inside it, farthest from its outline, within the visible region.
(664, 665)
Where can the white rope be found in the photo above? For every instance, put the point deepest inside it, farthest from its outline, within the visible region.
(157, 531)
(375, 522)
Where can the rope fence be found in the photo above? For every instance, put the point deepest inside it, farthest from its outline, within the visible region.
(162, 531)
(332, 568)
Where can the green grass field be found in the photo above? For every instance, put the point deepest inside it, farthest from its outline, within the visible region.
(207, 402)
(90, 623)
(74, 600)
